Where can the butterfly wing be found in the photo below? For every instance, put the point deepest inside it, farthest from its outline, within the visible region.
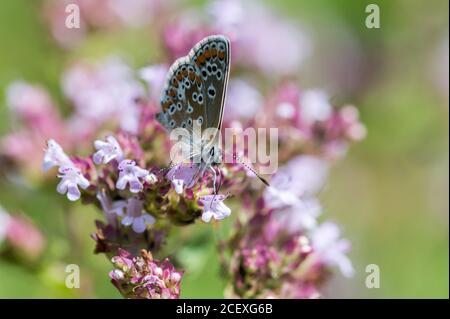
(196, 86)
(212, 58)
(182, 100)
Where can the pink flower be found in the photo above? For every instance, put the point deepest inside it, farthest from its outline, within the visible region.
(71, 178)
(130, 173)
(28, 101)
(55, 156)
(179, 37)
(353, 128)
(105, 91)
(21, 234)
(144, 277)
(213, 206)
(329, 249)
(136, 217)
(107, 151)
(56, 16)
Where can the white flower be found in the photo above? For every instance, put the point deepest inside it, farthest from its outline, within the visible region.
(329, 249)
(243, 100)
(110, 208)
(226, 15)
(71, 178)
(315, 106)
(155, 76)
(301, 215)
(107, 151)
(213, 206)
(260, 34)
(178, 185)
(130, 173)
(55, 156)
(4, 222)
(151, 178)
(182, 175)
(136, 217)
(285, 110)
(293, 190)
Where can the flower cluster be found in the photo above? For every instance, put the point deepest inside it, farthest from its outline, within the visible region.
(309, 117)
(139, 197)
(277, 247)
(143, 277)
(21, 237)
(98, 15)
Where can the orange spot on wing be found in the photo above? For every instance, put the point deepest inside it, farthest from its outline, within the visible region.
(197, 80)
(201, 58)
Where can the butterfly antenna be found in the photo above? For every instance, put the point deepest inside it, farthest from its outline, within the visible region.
(166, 168)
(262, 179)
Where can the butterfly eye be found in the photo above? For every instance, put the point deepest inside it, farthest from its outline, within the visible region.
(219, 74)
(194, 96)
(209, 68)
(189, 121)
(187, 84)
(200, 99)
(214, 68)
(172, 123)
(204, 74)
(179, 106)
(172, 109)
(200, 120)
(221, 47)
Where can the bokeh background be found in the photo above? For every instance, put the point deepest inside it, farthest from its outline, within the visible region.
(390, 194)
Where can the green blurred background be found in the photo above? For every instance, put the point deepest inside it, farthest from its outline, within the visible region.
(390, 194)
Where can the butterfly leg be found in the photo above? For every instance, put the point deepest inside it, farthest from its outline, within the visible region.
(214, 178)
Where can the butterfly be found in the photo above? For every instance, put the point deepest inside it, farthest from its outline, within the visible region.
(194, 97)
